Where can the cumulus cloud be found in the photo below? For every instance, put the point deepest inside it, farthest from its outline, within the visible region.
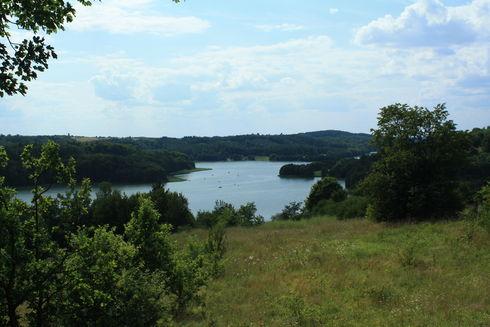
(134, 16)
(280, 27)
(430, 23)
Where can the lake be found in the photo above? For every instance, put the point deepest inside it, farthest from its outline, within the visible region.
(235, 182)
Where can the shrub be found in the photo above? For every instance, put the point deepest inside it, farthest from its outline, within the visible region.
(325, 189)
(226, 213)
(292, 211)
(351, 207)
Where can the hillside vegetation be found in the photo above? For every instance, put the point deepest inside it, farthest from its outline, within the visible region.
(321, 145)
(101, 160)
(325, 272)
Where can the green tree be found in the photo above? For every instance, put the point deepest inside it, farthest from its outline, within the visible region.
(416, 176)
(22, 60)
(325, 189)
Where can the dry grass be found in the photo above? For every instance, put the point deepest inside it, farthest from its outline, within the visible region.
(324, 272)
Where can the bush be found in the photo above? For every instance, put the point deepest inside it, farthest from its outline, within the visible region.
(292, 211)
(325, 189)
(226, 214)
(351, 207)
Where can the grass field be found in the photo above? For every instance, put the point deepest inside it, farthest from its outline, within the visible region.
(325, 272)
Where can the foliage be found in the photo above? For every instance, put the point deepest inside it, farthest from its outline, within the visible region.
(305, 170)
(352, 207)
(352, 170)
(227, 214)
(477, 215)
(62, 271)
(22, 60)
(312, 146)
(325, 189)
(100, 160)
(173, 207)
(420, 154)
(292, 211)
(113, 208)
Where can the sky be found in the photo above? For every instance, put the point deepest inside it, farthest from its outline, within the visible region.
(219, 67)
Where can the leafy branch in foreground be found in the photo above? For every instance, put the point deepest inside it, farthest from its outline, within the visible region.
(57, 271)
(22, 60)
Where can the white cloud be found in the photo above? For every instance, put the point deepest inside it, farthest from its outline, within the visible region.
(429, 23)
(134, 16)
(333, 11)
(280, 27)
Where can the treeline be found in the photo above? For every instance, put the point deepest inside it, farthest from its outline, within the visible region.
(424, 169)
(473, 175)
(311, 146)
(100, 159)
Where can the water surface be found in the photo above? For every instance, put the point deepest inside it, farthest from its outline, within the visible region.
(233, 182)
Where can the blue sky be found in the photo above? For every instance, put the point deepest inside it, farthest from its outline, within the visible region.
(202, 67)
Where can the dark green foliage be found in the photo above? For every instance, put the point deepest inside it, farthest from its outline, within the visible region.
(173, 207)
(225, 213)
(351, 207)
(312, 146)
(352, 170)
(477, 173)
(63, 273)
(99, 160)
(292, 211)
(325, 189)
(478, 213)
(111, 207)
(306, 170)
(420, 154)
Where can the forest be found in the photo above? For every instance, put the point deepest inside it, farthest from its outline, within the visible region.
(100, 160)
(152, 160)
(296, 147)
(354, 169)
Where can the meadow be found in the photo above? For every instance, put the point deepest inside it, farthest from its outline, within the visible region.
(326, 272)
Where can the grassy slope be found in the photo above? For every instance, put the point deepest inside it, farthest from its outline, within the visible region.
(325, 272)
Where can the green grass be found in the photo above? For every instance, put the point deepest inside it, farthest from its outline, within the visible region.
(324, 272)
(262, 158)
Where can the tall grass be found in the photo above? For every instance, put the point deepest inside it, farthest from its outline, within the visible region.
(325, 272)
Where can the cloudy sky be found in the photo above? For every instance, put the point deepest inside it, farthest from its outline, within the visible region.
(221, 67)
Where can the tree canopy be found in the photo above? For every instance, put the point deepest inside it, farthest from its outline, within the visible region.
(420, 155)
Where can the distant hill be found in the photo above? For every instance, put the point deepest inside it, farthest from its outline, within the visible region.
(99, 159)
(144, 160)
(309, 146)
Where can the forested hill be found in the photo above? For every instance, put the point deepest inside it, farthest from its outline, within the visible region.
(148, 160)
(310, 146)
(99, 159)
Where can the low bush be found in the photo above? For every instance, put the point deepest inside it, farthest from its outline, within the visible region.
(292, 211)
(351, 207)
(227, 214)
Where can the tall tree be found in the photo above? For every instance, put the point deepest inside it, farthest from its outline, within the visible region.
(420, 154)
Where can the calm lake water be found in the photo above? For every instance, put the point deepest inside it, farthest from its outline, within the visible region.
(233, 182)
